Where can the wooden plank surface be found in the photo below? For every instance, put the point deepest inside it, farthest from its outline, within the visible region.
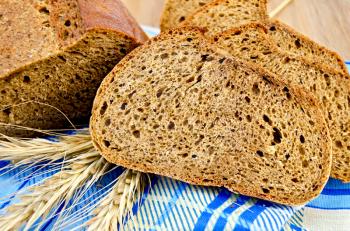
(325, 21)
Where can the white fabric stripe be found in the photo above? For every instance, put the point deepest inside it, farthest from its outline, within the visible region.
(325, 220)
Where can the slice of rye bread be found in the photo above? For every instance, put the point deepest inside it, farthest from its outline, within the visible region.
(292, 41)
(59, 59)
(251, 43)
(217, 18)
(176, 11)
(178, 107)
(220, 15)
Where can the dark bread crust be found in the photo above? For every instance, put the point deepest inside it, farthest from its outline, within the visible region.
(302, 97)
(111, 15)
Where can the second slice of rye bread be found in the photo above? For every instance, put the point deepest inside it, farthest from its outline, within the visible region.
(252, 43)
(178, 107)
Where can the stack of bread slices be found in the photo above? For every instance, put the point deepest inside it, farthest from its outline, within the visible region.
(226, 96)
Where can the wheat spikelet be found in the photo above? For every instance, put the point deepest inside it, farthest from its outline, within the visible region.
(26, 151)
(41, 199)
(118, 204)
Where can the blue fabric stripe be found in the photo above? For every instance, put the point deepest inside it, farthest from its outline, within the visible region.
(222, 221)
(248, 217)
(331, 202)
(203, 220)
(337, 184)
(337, 192)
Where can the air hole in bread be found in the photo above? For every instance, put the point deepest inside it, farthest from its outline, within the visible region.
(44, 10)
(327, 79)
(190, 80)
(222, 60)
(108, 122)
(272, 28)
(267, 119)
(184, 155)
(277, 136)
(171, 125)
(182, 18)
(189, 39)
(194, 156)
(256, 89)
(265, 190)
(131, 94)
(286, 60)
(136, 134)
(103, 108)
(297, 43)
(67, 23)
(123, 51)
(106, 143)
(249, 118)
(7, 111)
(62, 58)
(267, 80)
(123, 106)
(302, 139)
(164, 56)
(159, 93)
(305, 163)
(247, 99)
(3, 92)
(338, 144)
(295, 180)
(206, 58)
(287, 156)
(26, 79)
(260, 153)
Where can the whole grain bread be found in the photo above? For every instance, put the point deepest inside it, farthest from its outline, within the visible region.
(292, 41)
(176, 11)
(51, 67)
(214, 17)
(220, 15)
(251, 42)
(178, 107)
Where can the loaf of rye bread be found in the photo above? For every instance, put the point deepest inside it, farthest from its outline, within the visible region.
(179, 107)
(222, 15)
(251, 42)
(54, 54)
(176, 11)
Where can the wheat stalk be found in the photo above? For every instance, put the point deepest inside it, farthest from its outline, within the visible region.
(25, 151)
(81, 167)
(118, 204)
(41, 199)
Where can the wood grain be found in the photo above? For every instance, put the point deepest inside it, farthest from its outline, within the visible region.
(325, 21)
